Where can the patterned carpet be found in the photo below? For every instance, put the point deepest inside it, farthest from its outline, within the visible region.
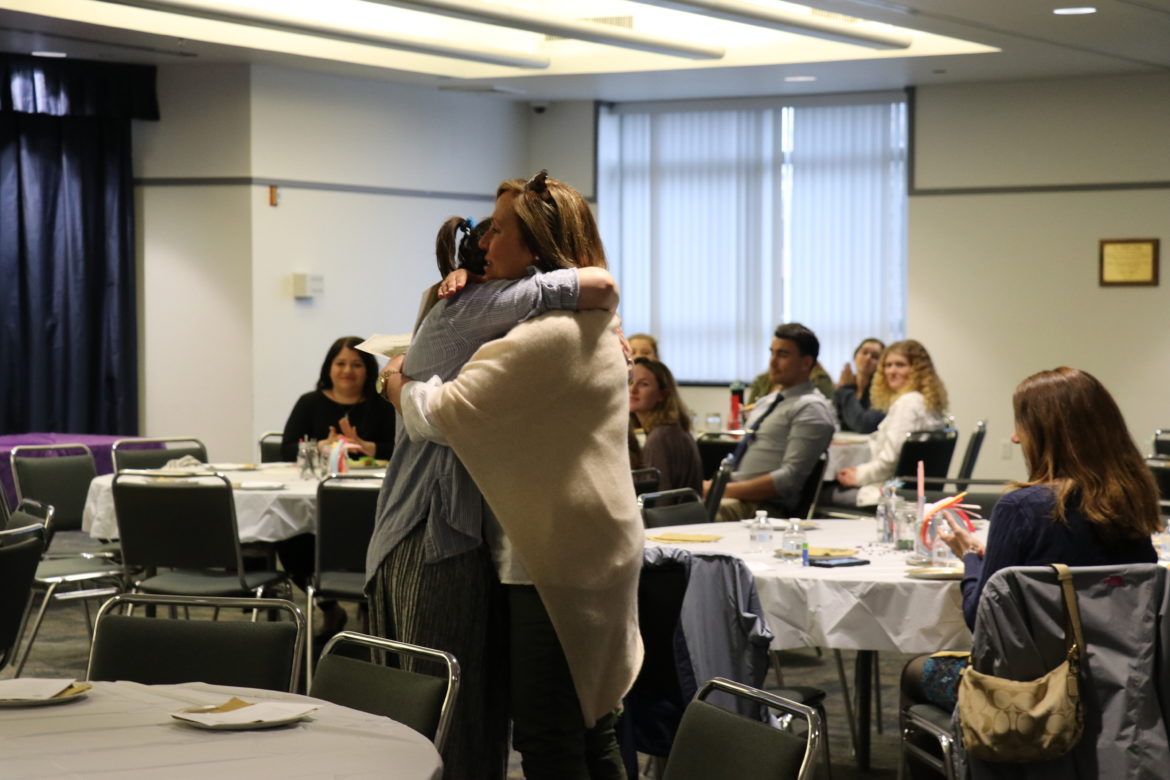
(62, 649)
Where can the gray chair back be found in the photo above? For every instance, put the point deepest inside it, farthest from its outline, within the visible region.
(1125, 615)
(146, 454)
(40, 473)
(718, 485)
(681, 506)
(424, 702)
(181, 523)
(934, 448)
(20, 553)
(165, 651)
(270, 444)
(714, 744)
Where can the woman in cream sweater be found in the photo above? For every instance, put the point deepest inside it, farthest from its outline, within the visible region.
(914, 399)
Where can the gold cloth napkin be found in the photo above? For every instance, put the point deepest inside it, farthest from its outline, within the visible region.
(684, 538)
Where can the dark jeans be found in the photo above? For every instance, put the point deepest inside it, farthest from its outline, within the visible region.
(547, 726)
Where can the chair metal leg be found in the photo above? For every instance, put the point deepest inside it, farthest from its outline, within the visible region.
(776, 668)
(309, 591)
(848, 700)
(877, 692)
(45, 601)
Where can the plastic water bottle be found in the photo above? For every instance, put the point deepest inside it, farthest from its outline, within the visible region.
(761, 534)
(792, 540)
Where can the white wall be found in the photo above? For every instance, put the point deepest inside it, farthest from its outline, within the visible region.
(563, 138)
(222, 255)
(1004, 285)
(194, 261)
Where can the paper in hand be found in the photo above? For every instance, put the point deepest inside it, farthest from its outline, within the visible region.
(386, 345)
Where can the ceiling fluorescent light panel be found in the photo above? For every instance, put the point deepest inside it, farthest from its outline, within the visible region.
(560, 27)
(255, 17)
(798, 24)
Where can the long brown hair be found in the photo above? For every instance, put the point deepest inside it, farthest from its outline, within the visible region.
(555, 223)
(1075, 440)
(670, 410)
(923, 378)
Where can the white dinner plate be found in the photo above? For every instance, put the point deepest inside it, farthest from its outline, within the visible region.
(253, 726)
(934, 573)
(258, 485)
(76, 692)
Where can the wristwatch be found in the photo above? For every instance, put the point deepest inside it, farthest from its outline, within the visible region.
(380, 382)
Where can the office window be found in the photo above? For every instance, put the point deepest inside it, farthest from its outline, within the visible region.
(722, 220)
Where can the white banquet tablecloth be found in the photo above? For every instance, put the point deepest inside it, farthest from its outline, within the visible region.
(125, 730)
(873, 607)
(267, 515)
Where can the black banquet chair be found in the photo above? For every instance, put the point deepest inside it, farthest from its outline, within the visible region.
(64, 577)
(346, 509)
(165, 651)
(146, 454)
(681, 506)
(270, 444)
(715, 744)
(645, 480)
(187, 525)
(20, 553)
(425, 702)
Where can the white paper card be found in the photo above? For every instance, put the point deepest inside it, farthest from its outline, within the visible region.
(33, 688)
(255, 713)
(386, 345)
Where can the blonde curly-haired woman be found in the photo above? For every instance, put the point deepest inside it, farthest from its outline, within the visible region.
(914, 398)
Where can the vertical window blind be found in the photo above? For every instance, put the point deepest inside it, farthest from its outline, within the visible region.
(724, 219)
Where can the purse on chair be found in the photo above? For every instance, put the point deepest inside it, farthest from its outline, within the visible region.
(1006, 720)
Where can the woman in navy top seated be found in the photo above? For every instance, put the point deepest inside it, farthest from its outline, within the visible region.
(1090, 500)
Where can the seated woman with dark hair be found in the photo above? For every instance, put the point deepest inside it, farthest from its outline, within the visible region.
(1089, 500)
(655, 406)
(344, 404)
(851, 398)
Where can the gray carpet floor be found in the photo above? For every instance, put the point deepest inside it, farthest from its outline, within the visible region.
(62, 649)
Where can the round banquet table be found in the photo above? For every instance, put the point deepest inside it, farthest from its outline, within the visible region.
(874, 607)
(125, 730)
(864, 608)
(264, 513)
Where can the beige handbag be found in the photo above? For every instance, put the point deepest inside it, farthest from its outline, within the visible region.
(1006, 720)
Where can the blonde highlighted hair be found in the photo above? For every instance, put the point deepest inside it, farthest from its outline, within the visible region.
(556, 224)
(922, 378)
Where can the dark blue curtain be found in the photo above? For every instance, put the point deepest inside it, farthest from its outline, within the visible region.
(68, 324)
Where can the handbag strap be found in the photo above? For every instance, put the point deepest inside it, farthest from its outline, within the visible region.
(1074, 640)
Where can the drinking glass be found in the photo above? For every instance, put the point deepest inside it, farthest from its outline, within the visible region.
(307, 459)
(907, 527)
(714, 421)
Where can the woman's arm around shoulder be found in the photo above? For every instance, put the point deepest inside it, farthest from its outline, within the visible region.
(598, 289)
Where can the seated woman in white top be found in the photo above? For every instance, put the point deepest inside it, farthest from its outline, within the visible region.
(915, 399)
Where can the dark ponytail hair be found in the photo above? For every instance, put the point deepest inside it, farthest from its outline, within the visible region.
(453, 250)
